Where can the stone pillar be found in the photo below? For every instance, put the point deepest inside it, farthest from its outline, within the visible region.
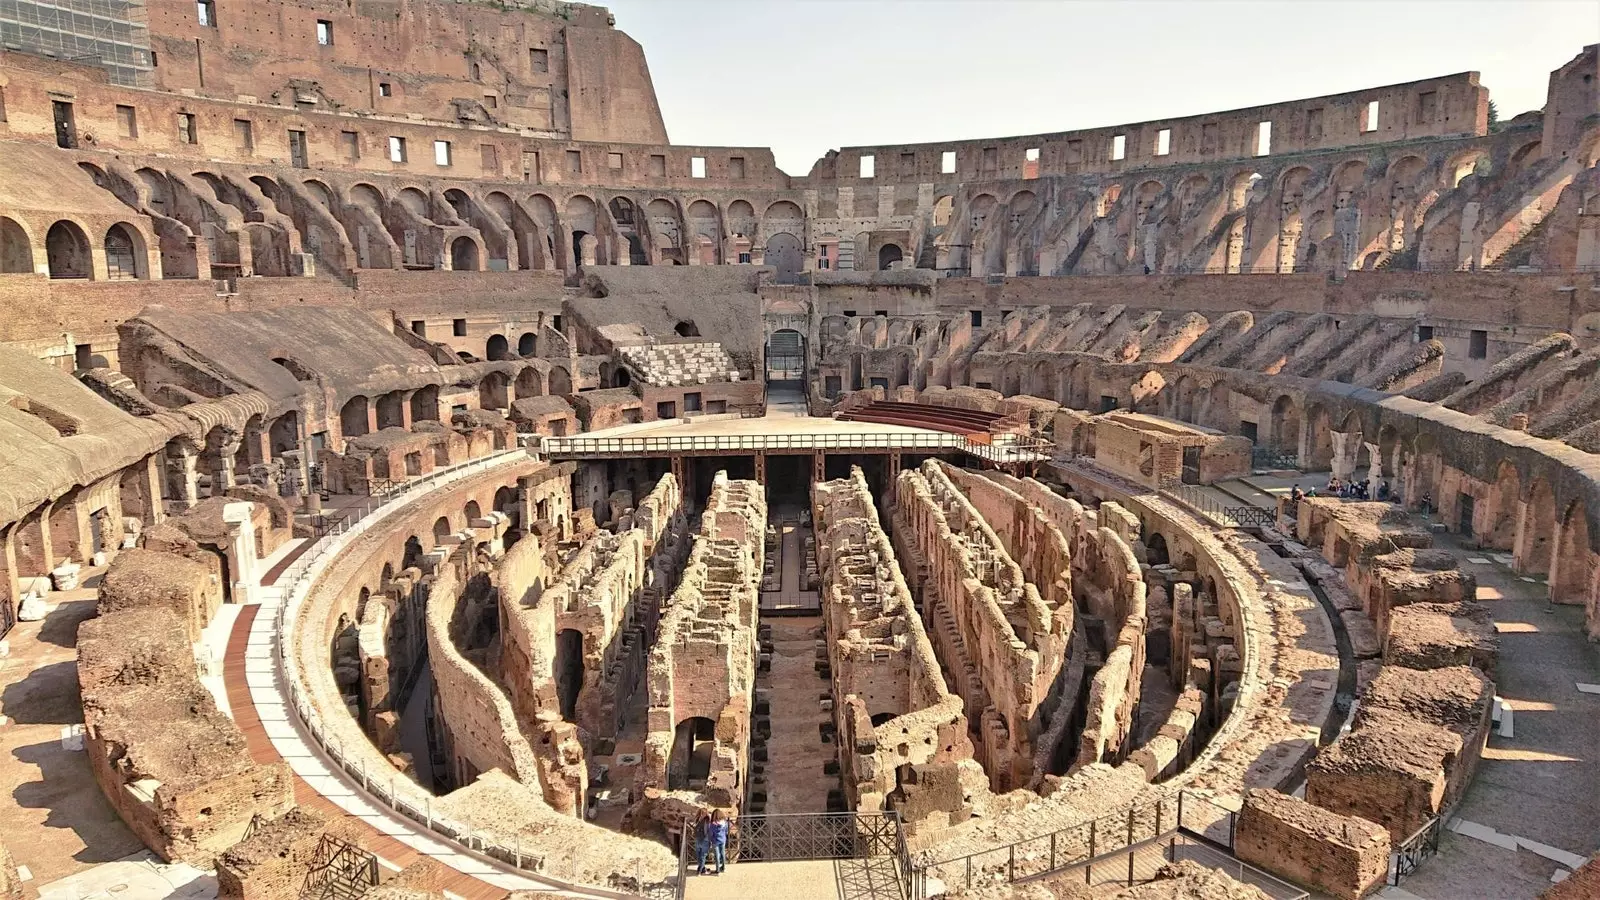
(819, 467)
(1375, 470)
(225, 476)
(186, 467)
(1345, 447)
(242, 561)
(761, 467)
(405, 409)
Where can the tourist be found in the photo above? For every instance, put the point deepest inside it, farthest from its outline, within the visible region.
(1383, 490)
(702, 839)
(718, 833)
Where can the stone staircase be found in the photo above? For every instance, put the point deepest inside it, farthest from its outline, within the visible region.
(680, 365)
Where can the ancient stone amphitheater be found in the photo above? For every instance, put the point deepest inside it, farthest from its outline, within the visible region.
(423, 480)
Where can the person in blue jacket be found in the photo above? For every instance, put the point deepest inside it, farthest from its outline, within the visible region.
(717, 837)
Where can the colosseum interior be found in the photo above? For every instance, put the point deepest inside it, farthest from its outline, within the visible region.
(488, 489)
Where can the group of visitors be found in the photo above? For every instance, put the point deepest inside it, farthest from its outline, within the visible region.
(711, 837)
(1345, 490)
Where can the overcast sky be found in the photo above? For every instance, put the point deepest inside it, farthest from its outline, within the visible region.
(805, 76)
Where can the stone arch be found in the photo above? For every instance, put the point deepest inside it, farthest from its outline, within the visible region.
(1521, 158)
(67, 251)
(1318, 454)
(125, 253)
(464, 254)
(529, 383)
(391, 410)
(16, 248)
(693, 743)
(560, 381)
(368, 196)
(425, 404)
(1474, 161)
(784, 211)
(1500, 531)
(785, 255)
(1573, 568)
(415, 201)
(493, 390)
(441, 530)
(496, 348)
(1539, 529)
(353, 417)
(528, 344)
(1286, 424)
(890, 256)
(319, 192)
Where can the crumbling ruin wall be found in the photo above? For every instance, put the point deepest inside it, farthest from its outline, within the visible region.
(272, 863)
(608, 596)
(1345, 857)
(175, 768)
(703, 665)
(148, 579)
(990, 624)
(10, 881)
(903, 742)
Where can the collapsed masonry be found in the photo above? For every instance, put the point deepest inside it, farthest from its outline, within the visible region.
(174, 766)
(903, 737)
(702, 668)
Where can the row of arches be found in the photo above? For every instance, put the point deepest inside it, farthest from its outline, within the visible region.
(68, 252)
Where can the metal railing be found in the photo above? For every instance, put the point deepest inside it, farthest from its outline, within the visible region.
(994, 448)
(1423, 843)
(1273, 458)
(382, 782)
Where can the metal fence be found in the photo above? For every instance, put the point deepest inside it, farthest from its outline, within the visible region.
(1423, 843)
(999, 448)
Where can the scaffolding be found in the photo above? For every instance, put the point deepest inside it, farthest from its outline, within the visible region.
(113, 34)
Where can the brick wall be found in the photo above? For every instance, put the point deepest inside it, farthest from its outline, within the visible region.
(1345, 857)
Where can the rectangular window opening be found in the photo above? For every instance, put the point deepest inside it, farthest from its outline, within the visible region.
(441, 153)
(324, 33)
(245, 135)
(539, 59)
(1119, 146)
(1263, 138)
(658, 165)
(697, 167)
(206, 11)
(458, 327)
(1369, 121)
(736, 167)
(1424, 333)
(350, 145)
(397, 149)
(976, 316)
(419, 327)
(575, 162)
(385, 89)
(186, 129)
(1030, 162)
(614, 160)
(1164, 142)
(947, 162)
(869, 165)
(1478, 348)
(490, 101)
(127, 121)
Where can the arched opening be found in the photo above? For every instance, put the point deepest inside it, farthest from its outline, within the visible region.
(1569, 581)
(441, 530)
(560, 382)
(473, 511)
(686, 329)
(464, 255)
(67, 251)
(492, 391)
(1319, 442)
(1501, 530)
(783, 254)
(353, 417)
(582, 248)
(889, 257)
(1538, 534)
(636, 254)
(786, 359)
(693, 742)
(529, 383)
(1156, 549)
(1286, 425)
(569, 671)
(528, 345)
(392, 410)
(284, 434)
(16, 251)
(621, 377)
(412, 555)
(123, 261)
(497, 347)
(425, 404)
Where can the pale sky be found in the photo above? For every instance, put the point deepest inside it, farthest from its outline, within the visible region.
(806, 76)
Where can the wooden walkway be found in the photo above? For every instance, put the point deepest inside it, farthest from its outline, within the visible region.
(393, 854)
(789, 599)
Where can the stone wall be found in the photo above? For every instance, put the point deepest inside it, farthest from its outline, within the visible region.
(1342, 856)
(903, 737)
(174, 767)
(701, 676)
